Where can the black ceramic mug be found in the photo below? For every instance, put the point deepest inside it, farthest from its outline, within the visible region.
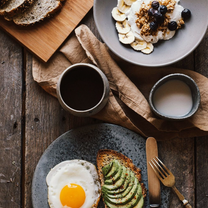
(83, 89)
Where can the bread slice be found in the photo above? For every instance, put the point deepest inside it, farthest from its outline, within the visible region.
(11, 7)
(38, 11)
(105, 156)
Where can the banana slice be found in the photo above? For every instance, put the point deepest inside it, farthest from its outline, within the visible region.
(129, 2)
(117, 15)
(122, 7)
(123, 27)
(127, 38)
(139, 45)
(149, 48)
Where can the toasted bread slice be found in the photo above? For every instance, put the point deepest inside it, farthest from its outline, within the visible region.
(105, 156)
(38, 11)
(11, 7)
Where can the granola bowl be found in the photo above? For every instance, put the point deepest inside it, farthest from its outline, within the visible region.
(165, 52)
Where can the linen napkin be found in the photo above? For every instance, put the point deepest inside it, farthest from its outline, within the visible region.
(129, 87)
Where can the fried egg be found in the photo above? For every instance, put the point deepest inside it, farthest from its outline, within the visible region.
(73, 184)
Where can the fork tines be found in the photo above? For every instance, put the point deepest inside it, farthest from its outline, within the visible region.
(159, 168)
(167, 178)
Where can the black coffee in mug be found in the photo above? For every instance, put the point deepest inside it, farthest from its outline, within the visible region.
(82, 88)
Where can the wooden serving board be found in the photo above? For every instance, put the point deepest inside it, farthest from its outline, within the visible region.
(44, 38)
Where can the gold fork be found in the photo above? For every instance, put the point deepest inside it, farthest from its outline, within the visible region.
(167, 178)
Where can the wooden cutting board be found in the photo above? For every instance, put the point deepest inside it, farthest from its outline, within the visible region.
(44, 38)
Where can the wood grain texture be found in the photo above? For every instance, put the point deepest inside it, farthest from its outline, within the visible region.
(201, 63)
(178, 156)
(44, 38)
(45, 121)
(10, 122)
(201, 172)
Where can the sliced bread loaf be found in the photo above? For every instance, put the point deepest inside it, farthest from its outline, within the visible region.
(38, 11)
(11, 7)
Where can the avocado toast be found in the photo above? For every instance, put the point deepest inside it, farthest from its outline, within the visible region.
(120, 180)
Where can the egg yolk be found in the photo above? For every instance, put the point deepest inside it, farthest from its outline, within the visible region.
(72, 195)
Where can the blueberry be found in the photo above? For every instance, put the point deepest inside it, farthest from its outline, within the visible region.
(155, 4)
(163, 9)
(156, 13)
(186, 14)
(159, 17)
(172, 25)
(153, 26)
(151, 12)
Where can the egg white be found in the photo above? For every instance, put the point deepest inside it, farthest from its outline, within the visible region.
(78, 172)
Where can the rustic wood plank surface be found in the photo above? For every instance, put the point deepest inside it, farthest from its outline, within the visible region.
(45, 121)
(201, 65)
(10, 122)
(31, 119)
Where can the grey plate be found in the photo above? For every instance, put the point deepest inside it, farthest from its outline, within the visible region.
(84, 143)
(165, 52)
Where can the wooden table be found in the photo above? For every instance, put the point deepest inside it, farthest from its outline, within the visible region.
(30, 119)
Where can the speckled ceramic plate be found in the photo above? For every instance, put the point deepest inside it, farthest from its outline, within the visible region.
(165, 52)
(84, 143)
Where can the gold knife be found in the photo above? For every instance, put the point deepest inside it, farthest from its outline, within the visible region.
(153, 181)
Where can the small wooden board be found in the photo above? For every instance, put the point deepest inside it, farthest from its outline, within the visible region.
(44, 38)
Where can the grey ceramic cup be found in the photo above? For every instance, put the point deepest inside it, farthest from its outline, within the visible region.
(194, 91)
(103, 97)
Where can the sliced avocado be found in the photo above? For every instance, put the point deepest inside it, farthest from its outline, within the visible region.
(129, 179)
(140, 203)
(125, 192)
(107, 168)
(136, 202)
(121, 188)
(118, 183)
(116, 177)
(114, 169)
(127, 198)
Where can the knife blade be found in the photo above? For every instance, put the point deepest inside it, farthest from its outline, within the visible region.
(153, 181)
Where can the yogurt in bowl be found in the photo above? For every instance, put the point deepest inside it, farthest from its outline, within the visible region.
(147, 21)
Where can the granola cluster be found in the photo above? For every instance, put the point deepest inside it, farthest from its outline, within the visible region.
(143, 18)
